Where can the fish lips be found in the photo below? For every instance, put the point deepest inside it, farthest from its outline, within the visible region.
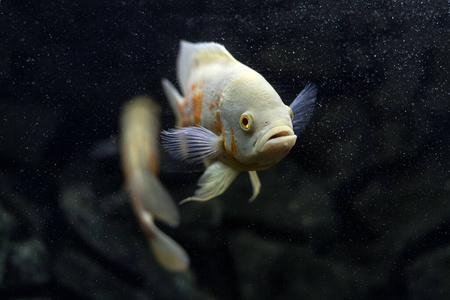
(277, 142)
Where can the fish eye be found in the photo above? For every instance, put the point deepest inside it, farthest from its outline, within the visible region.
(245, 121)
(291, 114)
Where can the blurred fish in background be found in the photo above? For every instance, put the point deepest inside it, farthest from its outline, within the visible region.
(139, 134)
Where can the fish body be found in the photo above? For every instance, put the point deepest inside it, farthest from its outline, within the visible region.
(139, 129)
(229, 117)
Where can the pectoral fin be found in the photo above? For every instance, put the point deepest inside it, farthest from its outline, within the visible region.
(303, 108)
(256, 184)
(192, 144)
(216, 179)
(153, 197)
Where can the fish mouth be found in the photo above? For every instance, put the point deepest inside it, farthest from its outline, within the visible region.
(277, 140)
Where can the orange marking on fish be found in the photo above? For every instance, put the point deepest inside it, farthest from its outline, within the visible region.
(218, 98)
(233, 143)
(217, 124)
(231, 151)
(153, 164)
(211, 105)
(182, 109)
(197, 100)
(127, 175)
(194, 86)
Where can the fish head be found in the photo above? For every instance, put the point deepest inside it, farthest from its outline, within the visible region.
(263, 132)
(265, 136)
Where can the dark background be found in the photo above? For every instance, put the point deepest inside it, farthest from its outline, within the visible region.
(360, 208)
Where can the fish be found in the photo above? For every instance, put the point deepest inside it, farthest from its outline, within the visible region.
(139, 142)
(230, 118)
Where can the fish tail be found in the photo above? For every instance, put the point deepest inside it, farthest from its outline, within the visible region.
(150, 204)
(175, 99)
(166, 251)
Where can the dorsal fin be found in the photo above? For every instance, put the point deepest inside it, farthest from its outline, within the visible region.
(193, 54)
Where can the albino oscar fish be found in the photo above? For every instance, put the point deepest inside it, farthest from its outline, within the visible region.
(230, 118)
(139, 130)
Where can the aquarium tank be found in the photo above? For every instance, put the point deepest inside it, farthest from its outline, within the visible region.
(357, 206)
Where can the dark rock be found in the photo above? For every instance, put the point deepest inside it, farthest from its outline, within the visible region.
(301, 209)
(8, 224)
(427, 277)
(102, 223)
(268, 269)
(88, 280)
(108, 227)
(28, 264)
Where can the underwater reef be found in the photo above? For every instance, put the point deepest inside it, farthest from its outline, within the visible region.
(359, 209)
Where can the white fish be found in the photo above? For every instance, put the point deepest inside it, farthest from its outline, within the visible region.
(139, 129)
(230, 118)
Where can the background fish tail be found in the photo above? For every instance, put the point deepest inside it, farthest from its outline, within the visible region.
(167, 252)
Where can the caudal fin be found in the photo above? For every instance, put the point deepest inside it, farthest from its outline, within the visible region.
(167, 252)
